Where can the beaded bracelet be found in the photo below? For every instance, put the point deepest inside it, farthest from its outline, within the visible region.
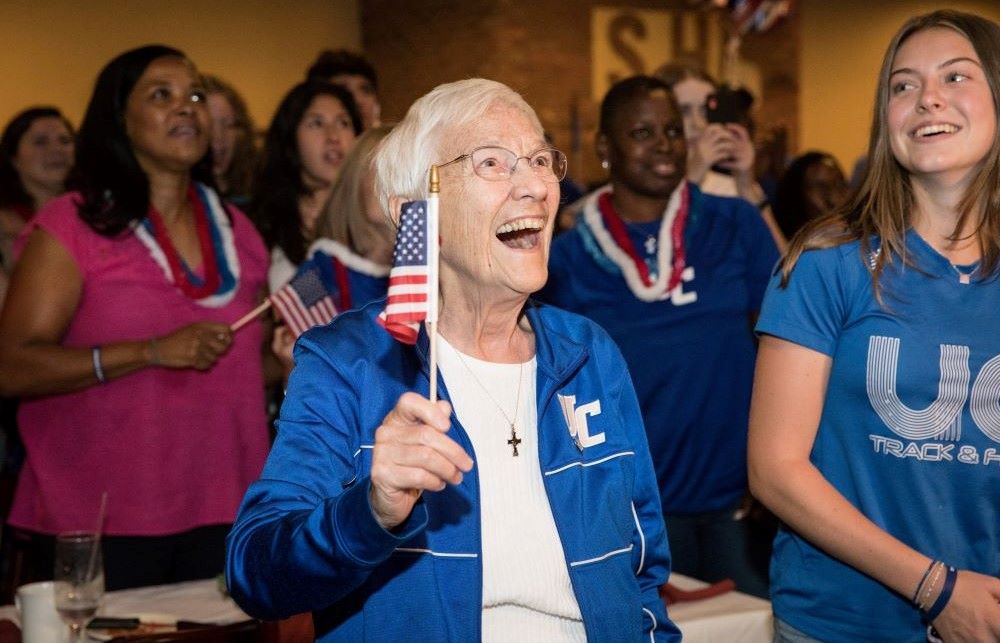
(95, 355)
(944, 596)
(924, 602)
(923, 580)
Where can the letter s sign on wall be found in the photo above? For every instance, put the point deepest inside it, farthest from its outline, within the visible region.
(626, 42)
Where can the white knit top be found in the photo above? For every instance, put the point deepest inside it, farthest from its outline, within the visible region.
(527, 594)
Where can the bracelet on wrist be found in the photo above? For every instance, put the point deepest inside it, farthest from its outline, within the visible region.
(942, 600)
(923, 579)
(95, 357)
(927, 590)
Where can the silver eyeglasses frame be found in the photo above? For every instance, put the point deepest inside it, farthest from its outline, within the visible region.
(550, 174)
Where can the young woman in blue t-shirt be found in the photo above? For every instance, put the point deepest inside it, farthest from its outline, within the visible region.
(875, 427)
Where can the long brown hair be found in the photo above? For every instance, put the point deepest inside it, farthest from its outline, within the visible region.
(882, 203)
(239, 175)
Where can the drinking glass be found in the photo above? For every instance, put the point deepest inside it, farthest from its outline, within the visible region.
(79, 578)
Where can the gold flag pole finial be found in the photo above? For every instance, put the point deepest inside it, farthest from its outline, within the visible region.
(435, 181)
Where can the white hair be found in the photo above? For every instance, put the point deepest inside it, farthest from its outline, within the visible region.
(403, 160)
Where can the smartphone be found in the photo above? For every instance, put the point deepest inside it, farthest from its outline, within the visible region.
(725, 106)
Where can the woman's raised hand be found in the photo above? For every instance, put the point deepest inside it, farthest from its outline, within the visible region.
(198, 345)
(739, 150)
(728, 146)
(709, 148)
(413, 454)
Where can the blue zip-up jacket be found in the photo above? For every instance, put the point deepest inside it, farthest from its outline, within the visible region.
(306, 540)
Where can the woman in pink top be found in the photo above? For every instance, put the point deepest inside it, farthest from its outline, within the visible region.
(116, 333)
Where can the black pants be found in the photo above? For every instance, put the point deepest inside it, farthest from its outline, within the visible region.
(715, 545)
(136, 561)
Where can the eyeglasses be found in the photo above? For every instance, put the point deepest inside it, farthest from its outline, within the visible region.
(499, 164)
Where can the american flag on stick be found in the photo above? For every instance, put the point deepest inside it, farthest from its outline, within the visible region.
(412, 296)
(305, 301)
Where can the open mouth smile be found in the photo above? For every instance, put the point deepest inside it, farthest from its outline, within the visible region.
(521, 234)
(933, 130)
(184, 130)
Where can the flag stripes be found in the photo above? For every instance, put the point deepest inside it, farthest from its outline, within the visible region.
(304, 302)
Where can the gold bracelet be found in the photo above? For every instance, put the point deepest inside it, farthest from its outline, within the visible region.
(925, 602)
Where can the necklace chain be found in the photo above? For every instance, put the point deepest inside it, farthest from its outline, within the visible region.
(514, 440)
(650, 243)
(963, 277)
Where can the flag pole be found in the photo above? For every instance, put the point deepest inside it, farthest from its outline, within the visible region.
(249, 317)
(432, 278)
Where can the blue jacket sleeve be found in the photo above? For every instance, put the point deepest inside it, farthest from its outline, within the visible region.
(650, 551)
(305, 536)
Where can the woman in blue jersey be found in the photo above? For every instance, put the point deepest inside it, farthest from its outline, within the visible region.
(522, 505)
(875, 428)
(676, 277)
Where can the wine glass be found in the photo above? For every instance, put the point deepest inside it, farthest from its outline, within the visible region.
(79, 578)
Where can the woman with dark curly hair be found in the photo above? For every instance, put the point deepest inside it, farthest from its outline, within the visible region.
(313, 130)
(116, 334)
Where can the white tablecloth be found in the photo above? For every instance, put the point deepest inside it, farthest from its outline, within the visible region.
(198, 600)
(731, 618)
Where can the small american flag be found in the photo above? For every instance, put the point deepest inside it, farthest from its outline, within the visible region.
(412, 296)
(305, 301)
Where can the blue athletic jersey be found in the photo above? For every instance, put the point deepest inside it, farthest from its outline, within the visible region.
(910, 429)
(691, 355)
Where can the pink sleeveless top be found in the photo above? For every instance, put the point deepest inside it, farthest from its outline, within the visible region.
(174, 449)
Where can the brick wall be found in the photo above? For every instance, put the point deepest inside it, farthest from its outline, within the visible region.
(544, 50)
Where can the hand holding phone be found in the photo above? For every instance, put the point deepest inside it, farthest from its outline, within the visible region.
(726, 106)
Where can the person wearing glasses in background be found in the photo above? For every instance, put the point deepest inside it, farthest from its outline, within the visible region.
(675, 276)
(520, 506)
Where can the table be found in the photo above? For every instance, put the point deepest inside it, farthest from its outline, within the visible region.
(198, 600)
(733, 617)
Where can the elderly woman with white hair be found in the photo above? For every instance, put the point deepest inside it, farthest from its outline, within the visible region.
(523, 504)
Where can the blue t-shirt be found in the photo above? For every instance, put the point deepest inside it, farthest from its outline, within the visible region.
(691, 355)
(910, 428)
